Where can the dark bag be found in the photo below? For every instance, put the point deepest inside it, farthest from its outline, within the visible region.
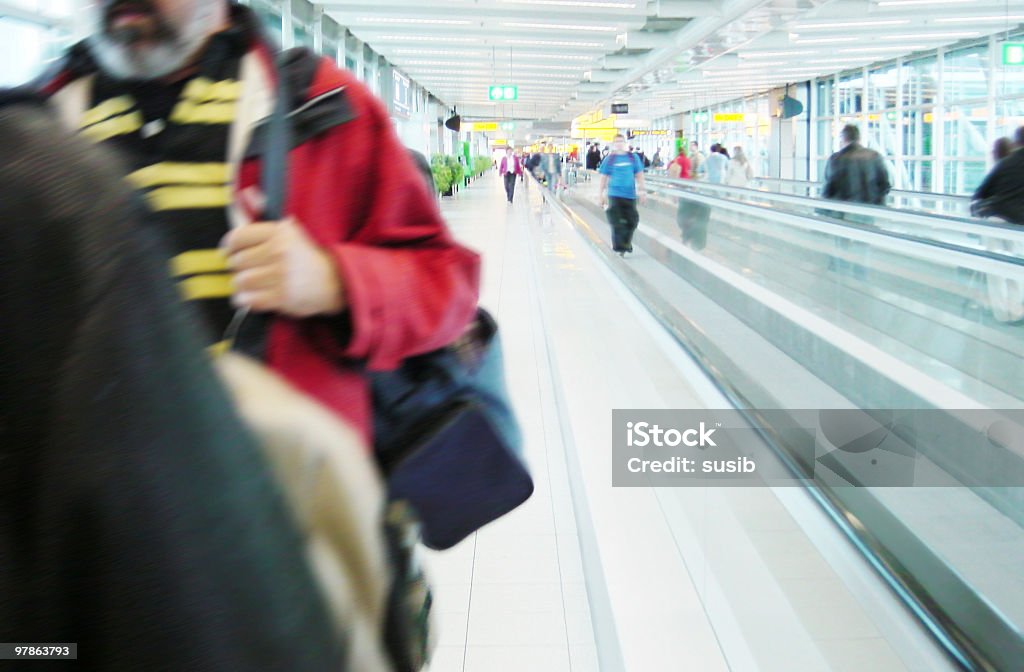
(444, 433)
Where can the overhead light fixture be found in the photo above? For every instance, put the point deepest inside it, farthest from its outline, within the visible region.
(772, 54)
(930, 36)
(918, 3)
(851, 24)
(562, 26)
(982, 19)
(547, 43)
(795, 39)
(402, 19)
(882, 49)
(426, 38)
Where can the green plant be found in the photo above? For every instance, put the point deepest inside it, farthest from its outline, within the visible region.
(457, 170)
(481, 164)
(442, 176)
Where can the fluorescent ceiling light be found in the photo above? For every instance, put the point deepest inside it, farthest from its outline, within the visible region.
(439, 52)
(562, 26)
(402, 19)
(982, 19)
(574, 3)
(426, 38)
(501, 66)
(918, 3)
(759, 54)
(851, 24)
(795, 39)
(546, 43)
(930, 36)
(881, 50)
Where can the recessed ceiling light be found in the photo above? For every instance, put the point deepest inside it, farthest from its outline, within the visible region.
(562, 26)
(982, 19)
(795, 39)
(930, 36)
(426, 38)
(402, 19)
(851, 24)
(546, 43)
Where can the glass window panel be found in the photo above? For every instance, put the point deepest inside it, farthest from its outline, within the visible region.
(918, 175)
(824, 102)
(918, 132)
(965, 74)
(882, 88)
(920, 81)
(851, 94)
(1009, 117)
(963, 177)
(826, 137)
(1009, 80)
(965, 132)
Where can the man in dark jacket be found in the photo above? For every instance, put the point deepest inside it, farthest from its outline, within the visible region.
(856, 173)
(1002, 193)
(137, 517)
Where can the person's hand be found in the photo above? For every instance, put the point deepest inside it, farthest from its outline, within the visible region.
(604, 201)
(278, 268)
(643, 198)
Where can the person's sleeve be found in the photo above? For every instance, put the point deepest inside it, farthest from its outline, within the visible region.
(986, 188)
(604, 168)
(409, 287)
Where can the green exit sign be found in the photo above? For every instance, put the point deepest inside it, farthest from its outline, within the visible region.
(1013, 53)
(503, 92)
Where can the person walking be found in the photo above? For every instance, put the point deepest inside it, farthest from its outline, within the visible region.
(351, 280)
(717, 165)
(510, 169)
(1001, 193)
(697, 169)
(855, 173)
(594, 157)
(740, 171)
(622, 185)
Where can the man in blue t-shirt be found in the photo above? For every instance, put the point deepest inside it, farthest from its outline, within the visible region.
(622, 182)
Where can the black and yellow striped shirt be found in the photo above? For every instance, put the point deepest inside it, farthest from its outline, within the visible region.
(174, 141)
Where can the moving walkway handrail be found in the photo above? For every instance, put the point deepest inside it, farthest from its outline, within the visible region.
(962, 201)
(974, 229)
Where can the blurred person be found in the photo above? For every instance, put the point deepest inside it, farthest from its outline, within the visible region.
(1002, 148)
(509, 170)
(594, 157)
(139, 519)
(1001, 193)
(552, 167)
(697, 168)
(855, 173)
(740, 171)
(354, 279)
(622, 184)
(657, 161)
(691, 216)
(717, 165)
(680, 167)
(1018, 137)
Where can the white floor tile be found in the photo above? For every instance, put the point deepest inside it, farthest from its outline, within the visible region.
(517, 659)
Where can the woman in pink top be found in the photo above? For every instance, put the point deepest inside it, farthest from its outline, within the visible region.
(509, 169)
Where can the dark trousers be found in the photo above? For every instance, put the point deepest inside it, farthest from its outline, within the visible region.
(624, 218)
(510, 185)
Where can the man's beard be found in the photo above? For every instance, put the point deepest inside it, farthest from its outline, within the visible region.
(166, 52)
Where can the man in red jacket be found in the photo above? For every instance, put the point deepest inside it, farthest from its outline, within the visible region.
(360, 275)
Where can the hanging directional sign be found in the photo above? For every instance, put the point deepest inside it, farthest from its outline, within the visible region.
(620, 108)
(503, 92)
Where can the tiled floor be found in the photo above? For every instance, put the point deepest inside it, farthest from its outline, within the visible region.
(679, 579)
(512, 596)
